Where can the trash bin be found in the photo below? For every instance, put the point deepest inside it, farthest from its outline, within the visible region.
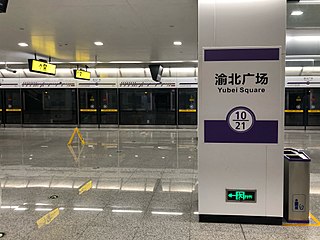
(296, 186)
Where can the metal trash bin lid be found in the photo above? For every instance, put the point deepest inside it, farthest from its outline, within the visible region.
(296, 155)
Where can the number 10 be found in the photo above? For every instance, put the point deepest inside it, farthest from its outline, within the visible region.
(242, 115)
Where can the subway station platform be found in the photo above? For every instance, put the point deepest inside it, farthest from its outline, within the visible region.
(144, 186)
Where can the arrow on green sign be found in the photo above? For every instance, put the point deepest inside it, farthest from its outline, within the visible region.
(231, 195)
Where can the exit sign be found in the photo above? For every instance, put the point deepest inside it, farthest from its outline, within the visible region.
(248, 196)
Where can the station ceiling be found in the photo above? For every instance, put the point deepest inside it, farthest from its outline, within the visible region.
(131, 30)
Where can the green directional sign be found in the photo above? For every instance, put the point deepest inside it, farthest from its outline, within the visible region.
(233, 195)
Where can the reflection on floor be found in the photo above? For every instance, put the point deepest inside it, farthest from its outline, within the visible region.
(144, 186)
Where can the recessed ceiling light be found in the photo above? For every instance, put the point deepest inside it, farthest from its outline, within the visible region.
(98, 43)
(22, 44)
(296, 13)
(177, 43)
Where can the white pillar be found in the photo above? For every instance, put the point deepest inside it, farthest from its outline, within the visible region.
(244, 45)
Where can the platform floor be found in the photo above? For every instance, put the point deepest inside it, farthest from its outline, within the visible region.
(144, 186)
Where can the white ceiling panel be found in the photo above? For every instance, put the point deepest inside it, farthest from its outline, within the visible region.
(131, 30)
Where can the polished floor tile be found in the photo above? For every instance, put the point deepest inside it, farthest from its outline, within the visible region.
(144, 186)
(163, 229)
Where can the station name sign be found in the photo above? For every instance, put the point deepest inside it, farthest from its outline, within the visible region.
(81, 74)
(41, 67)
(236, 83)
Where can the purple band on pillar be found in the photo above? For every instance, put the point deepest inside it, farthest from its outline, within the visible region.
(218, 131)
(257, 54)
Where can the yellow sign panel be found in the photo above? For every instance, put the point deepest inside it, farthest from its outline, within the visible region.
(109, 110)
(42, 67)
(0, 110)
(314, 111)
(48, 218)
(187, 110)
(85, 187)
(80, 74)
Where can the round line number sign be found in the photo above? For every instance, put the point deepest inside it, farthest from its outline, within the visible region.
(240, 119)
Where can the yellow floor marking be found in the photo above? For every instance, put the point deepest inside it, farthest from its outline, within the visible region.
(80, 137)
(300, 225)
(73, 153)
(85, 187)
(72, 136)
(48, 218)
(76, 131)
(314, 219)
(316, 224)
(109, 145)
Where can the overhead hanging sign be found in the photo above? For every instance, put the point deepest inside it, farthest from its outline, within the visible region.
(41, 67)
(81, 74)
